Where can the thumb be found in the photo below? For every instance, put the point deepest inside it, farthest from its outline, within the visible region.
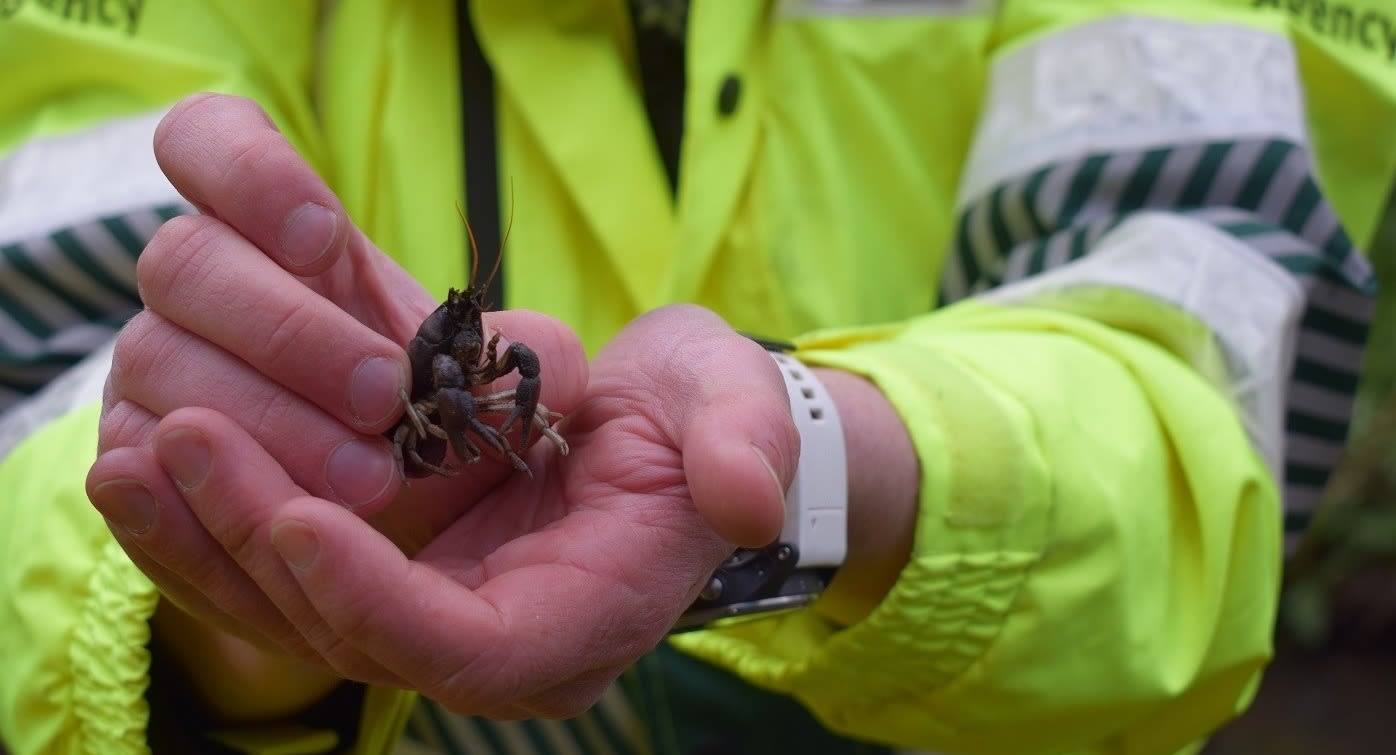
(721, 401)
(739, 458)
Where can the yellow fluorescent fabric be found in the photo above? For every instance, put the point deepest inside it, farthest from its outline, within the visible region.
(775, 225)
(69, 69)
(393, 138)
(1095, 567)
(1350, 92)
(73, 625)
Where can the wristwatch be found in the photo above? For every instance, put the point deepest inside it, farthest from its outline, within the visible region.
(792, 571)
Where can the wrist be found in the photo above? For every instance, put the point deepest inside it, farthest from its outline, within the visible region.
(883, 497)
(852, 506)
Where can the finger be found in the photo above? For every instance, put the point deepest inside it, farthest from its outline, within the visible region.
(403, 615)
(175, 589)
(731, 456)
(163, 367)
(520, 634)
(452, 645)
(159, 533)
(235, 489)
(124, 422)
(226, 156)
(117, 491)
(722, 401)
(200, 273)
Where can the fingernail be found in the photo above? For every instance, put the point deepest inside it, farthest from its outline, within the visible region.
(185, 456)
(297, 543)
(374, 389)
(127, 504)
(308, 233)
(775, 478)
(358, 472)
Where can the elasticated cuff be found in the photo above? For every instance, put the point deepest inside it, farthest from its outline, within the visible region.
(110, 656)
(981, 527)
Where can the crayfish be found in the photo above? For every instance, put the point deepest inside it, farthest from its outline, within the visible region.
(449, 357)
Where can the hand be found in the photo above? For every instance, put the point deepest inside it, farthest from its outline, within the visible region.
(272, 309)
(544, 590)
(227, 411)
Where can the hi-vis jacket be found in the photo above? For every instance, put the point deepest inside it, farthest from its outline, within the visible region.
(1102, 256)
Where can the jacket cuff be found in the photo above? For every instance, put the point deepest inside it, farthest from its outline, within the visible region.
(1092, 559)
(109, 655)
(982, 525)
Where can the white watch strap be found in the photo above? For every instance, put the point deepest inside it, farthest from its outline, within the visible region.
(816, 505)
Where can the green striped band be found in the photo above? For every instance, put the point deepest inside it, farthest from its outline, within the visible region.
(1261, 192)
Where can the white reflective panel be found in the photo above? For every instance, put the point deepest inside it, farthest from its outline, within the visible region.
(52, 183)
(1251, 305)
(1131, 83)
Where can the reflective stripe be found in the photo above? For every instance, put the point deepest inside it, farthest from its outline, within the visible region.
(1250, 304)
(1169, 82)
(611, 727)
(66, 293)
(67, 257)
(1260, 192)
(77, 387)
(113, 163)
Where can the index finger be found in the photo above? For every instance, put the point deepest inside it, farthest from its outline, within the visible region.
(227, 157)
(473, 650)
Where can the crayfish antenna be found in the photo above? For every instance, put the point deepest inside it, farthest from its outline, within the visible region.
(475, 247)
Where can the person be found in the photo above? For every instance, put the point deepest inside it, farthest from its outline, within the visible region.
(1083, 280)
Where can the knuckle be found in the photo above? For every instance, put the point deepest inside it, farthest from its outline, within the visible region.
(271, 413)
(323, 640)
(128, 340)
(344, 659)
(110, 397)
(355, 617)
(338, 646)
(249, 156)
(177, 256)
(130, 356)
(239, 533)
(177, 120)
(289, 334)
(199, 111)
(208, 576)
(125, 425)
(146, 348)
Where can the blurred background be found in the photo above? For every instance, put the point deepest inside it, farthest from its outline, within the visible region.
(1332, 686)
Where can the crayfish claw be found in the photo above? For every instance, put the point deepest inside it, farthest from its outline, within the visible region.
(450, 356)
